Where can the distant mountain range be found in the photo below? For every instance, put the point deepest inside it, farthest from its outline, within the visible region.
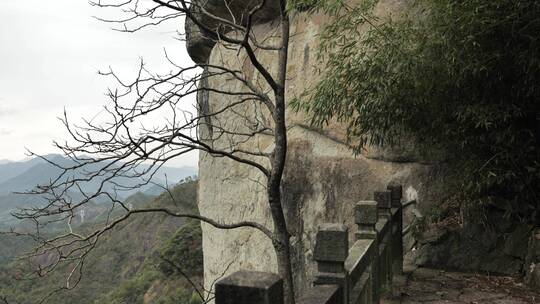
(26, 175)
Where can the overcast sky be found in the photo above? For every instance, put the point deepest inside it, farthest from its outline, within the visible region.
(50, 52)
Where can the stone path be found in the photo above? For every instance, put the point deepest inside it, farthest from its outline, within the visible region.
(423, 285)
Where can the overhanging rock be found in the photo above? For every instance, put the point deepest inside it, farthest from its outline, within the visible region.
(201, 39)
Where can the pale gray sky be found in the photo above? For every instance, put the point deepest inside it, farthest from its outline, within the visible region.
(50, 52)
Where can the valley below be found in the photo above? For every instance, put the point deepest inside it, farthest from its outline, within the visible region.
(146, 258)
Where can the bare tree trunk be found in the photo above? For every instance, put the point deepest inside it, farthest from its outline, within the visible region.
(281, 240)
(283, 253)
(282, 244)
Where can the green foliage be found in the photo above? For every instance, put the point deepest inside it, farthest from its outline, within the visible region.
(195, 299)
(184, 249)
(182, 297)
(133, 290)
(457, 76)
(124, 267)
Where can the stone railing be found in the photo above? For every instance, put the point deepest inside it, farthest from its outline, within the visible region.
(356, 275)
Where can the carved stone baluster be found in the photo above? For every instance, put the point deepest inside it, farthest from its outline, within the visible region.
(331, 251)
(250, 287)
(384, 227)
(397, 194)
(366, 214)
(384, 202)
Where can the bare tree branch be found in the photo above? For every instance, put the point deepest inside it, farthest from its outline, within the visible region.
(148, 123)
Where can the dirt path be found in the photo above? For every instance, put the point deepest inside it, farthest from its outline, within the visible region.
(423, 285)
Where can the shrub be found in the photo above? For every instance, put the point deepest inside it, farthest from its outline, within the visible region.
(461, 77)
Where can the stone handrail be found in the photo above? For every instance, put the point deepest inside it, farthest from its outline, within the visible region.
(356, 275)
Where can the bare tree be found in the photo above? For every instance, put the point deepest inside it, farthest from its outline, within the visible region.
(133, 141)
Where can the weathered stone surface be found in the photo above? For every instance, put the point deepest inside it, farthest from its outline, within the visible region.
(437, 287)
(366, 213)
(533, 275)
(397, 194)
(200, 41)
(332, 244)
(323, 179)
(250, 287)
(321, 186)
(474, 247)
(329, 278)
(198, 44)
(330, 294)
(383, 199)
(515, 242)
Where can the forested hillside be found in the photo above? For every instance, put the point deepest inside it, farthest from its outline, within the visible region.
(131, 264)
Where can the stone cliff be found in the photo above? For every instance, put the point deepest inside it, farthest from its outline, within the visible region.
(323, 179)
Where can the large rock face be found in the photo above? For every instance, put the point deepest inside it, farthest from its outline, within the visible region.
(498, 246)
(323, 179)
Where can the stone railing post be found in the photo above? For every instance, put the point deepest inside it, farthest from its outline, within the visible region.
(397, 193)
(331, 251)
(384, 203)
(366, 215)
(250, 287)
